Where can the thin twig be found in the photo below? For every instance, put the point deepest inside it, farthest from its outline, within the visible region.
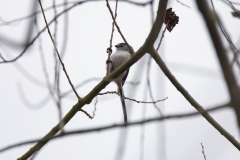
(203, 152)
(58, 53)
(236, 3)
(233, 8)
(162, 36)
(183, 4)
(109, 50)
(96, 129)
(110, 10)
(236, 52)
(86, 113)
(115, 16)
(2, 57)
(66, 93)
(114, 92)
(95, 107)
(66, 3)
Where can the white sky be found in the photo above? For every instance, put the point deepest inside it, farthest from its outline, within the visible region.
(187, 51)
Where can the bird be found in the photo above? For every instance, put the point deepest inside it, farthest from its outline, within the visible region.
(122, 54)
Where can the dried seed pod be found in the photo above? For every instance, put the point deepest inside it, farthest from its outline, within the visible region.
(171, 19)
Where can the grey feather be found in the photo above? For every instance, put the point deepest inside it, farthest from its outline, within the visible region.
(118, 58)
(121, 95)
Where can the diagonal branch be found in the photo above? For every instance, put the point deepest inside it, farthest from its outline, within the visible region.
(222, 30)
(222, 56)
(88, 98)
(63, 67)
(191, 100)
(183, 4)
(114, 20)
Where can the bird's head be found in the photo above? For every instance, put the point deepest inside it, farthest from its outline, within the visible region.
(123, 47)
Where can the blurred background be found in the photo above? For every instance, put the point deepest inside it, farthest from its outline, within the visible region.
(35, 93)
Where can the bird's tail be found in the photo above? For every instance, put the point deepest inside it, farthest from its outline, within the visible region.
(121, 94)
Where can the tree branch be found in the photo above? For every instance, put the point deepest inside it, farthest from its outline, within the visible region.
(190, 99)
(105, 128)
(63, 67)
(228, 73)
(153, 102)
(88, 98)
(114, 20)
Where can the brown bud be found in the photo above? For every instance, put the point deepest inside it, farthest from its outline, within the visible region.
(171, 19)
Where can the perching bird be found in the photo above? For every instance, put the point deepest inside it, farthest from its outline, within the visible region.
(122, 54)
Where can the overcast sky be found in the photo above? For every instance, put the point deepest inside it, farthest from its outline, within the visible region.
(187, 51)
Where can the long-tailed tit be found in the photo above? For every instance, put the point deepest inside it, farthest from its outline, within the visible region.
(121, 55)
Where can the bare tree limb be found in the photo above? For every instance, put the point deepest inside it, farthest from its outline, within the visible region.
(223, 32)
(191, 100)
(168, 117)
(228, 73)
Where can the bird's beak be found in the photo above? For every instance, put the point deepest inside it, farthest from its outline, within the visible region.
(116, 45)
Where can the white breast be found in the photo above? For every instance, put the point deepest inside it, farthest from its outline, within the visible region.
(118, 58)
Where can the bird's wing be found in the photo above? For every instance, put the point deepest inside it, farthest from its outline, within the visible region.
(125, 77)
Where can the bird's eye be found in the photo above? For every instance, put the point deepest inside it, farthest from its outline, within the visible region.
(121, 46)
